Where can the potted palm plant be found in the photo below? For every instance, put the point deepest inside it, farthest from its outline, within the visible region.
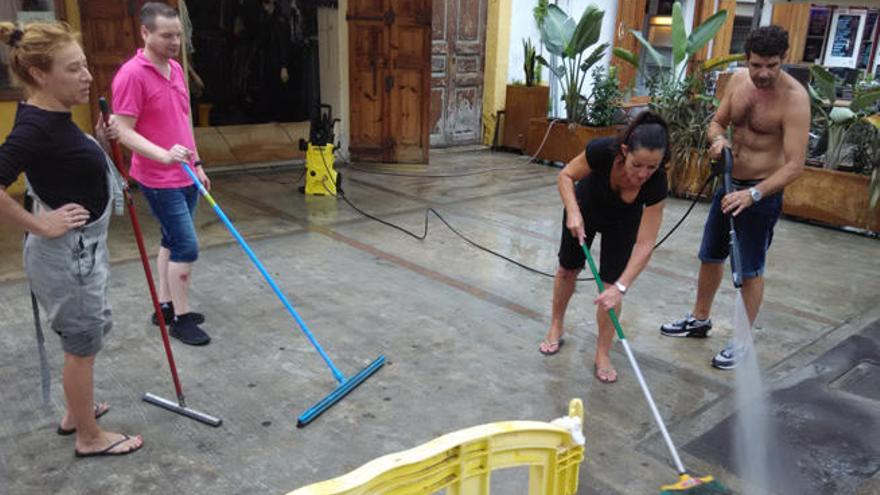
(562, 139)
(524, 102)
(848, 136)
(681, 97)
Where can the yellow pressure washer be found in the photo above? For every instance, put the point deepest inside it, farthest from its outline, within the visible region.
(321, 178)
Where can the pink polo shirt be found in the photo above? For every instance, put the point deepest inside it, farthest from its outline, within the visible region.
(161, 109)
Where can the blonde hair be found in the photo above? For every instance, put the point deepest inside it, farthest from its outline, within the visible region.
(34, 45)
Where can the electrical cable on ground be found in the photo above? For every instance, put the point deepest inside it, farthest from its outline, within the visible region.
(340, 193)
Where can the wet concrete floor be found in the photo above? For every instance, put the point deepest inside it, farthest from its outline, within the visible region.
(460, 329)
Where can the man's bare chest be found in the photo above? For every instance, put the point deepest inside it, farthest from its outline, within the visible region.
(756, 113)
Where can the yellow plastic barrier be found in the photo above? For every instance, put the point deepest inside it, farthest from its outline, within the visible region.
(461, 462)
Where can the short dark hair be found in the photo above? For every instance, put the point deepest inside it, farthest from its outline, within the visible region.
(767, 41)
(151, 10)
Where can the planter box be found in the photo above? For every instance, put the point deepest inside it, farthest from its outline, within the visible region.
(687, 178)
(564, 141)
(522, 104)
(832, 197)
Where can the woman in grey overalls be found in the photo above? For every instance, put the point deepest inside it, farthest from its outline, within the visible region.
(73, 186)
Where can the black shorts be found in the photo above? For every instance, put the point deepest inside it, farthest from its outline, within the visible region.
(619, 232)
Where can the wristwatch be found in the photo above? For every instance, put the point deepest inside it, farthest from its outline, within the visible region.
(620, 287)
(755, 194)
(198, 163)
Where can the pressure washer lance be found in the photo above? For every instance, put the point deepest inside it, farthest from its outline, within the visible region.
(180, 406)
(735, 259)
(686, 484)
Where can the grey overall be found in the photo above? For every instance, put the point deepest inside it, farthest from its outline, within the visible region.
(70, 275)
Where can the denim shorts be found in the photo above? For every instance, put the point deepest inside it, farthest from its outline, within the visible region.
(175, 209)
(754, 230)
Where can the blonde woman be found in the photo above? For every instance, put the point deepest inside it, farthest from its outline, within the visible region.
(71, 183)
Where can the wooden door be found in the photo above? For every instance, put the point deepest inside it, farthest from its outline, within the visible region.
(389, 61)
(721, 45)
(457, 63)
(630, 15)
(796, 20)
(410, 104)
(111, 35)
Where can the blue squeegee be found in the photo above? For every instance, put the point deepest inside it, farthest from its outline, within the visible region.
(346, 385)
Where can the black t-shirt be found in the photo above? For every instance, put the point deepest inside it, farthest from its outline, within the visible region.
(595, 188)
(62, 164)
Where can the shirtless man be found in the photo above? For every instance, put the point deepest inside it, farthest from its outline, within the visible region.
(770, 114)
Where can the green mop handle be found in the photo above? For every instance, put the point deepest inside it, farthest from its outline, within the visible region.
(638, 371)
(611, 311)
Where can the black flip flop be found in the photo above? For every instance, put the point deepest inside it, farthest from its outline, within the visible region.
(106, 452)
(559, 343)
(61, 431)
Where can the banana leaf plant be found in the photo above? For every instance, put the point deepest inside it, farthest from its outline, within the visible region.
(682, 98)
(568, 41)
(837, 122)
(684, 46)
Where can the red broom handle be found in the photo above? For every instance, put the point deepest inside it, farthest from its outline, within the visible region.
(117, 162)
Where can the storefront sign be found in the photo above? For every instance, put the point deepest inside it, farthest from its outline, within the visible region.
(846, 32)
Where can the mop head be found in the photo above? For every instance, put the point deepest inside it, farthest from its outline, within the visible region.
(182, 410)
(689, 485)
(343, 389)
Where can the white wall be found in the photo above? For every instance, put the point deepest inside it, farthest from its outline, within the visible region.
(333, 62)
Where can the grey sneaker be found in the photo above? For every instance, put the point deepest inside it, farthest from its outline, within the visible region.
(687, 327)
(730, 357)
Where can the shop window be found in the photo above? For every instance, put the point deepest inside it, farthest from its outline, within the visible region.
(844, 41)
(743, 21)
(866, 47)
(23, 11)
(658, 31)
(817, 32)
(257, 60)
(742, 26)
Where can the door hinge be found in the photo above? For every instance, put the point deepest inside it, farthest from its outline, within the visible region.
(390, 16)
(390, 143)
(389, 83)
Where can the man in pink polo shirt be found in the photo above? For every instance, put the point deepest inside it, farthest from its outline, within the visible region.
(151, 104)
